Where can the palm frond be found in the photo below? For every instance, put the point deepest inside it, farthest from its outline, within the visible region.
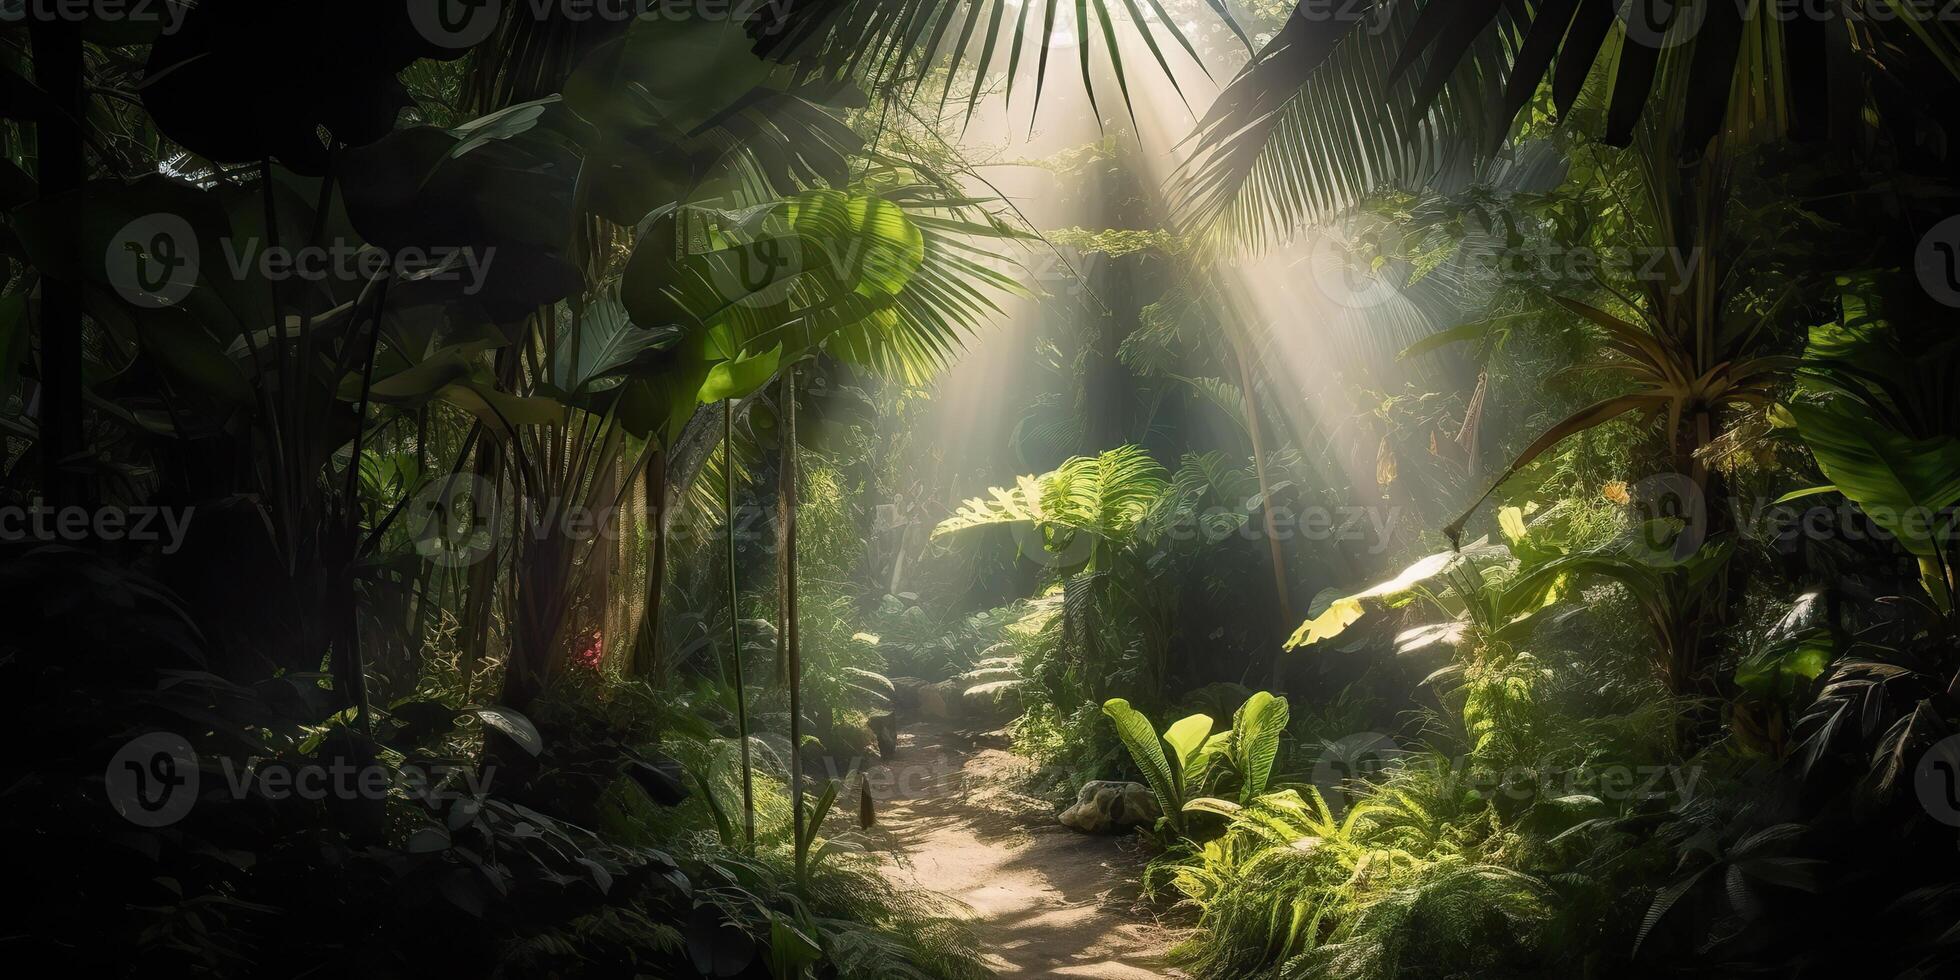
(889, 45)
(1332, 109)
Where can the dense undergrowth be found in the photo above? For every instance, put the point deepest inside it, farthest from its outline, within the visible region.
(484, 501)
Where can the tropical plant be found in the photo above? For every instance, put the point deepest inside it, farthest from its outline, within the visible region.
(1392, 92)
(1081, 512)
(1174, 777)
(1246, 753)
(1882, 427)
(1497, 594)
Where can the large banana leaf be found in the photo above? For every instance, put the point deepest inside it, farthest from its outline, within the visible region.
(603, 346)
(1903, 484)
(676, 105)
(1347, 610)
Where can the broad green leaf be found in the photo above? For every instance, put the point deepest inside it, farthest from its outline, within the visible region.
(501, 412)
(1339, 615)
(1796, 495)
(1256, 730)
(1139, 736)
(605, 345)
(791, 950)
(1186, 738)
(1344, 612)
(1510, 520)
(1900, 482)
(868, 241)
(741, 377)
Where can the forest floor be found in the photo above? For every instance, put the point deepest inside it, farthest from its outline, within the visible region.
(1044, 900)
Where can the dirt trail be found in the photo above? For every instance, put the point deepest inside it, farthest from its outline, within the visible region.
(1045, 901)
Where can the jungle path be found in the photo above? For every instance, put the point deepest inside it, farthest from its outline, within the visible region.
(1045, 901)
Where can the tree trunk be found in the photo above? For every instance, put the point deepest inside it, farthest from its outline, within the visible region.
(735, 624)
(1287, 616)
(787, 635)
(647, 661)
(58, 68)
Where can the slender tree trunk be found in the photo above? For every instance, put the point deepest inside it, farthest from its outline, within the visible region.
(647, 653)
(418, 620)
(1252, 428)
(735, 624)
(482, 579)
(58, 68)
(792, 645)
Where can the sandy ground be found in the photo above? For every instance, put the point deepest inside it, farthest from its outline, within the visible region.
(1045, 900)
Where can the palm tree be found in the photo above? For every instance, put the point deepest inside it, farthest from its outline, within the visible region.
(1393, 92)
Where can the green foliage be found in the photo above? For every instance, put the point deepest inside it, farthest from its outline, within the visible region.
(1169, 775)
(1104, 497)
